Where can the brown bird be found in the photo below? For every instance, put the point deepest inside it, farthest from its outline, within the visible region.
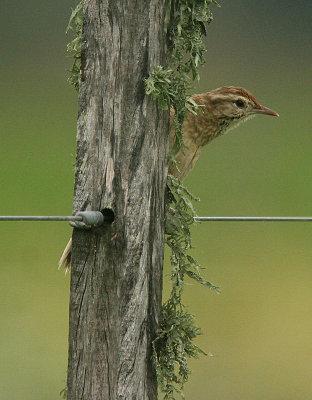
(221, 109)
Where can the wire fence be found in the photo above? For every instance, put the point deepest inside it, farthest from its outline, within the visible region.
(255, 219)
(40, 218)
(80, 217)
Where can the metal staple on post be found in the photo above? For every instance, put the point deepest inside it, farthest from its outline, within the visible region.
(82, 220)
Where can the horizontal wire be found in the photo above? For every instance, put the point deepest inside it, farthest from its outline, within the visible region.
(253, 219)
(202, 219)
(40, 218)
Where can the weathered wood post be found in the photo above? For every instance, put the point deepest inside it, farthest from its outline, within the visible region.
(122, 149)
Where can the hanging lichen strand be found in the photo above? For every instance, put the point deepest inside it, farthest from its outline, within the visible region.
(186, 22)
(186, 26)
(175, 341)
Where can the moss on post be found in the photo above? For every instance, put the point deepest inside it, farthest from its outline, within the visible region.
(74, 46)
(187, 21)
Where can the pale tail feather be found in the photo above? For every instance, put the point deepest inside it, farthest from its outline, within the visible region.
(66, 257)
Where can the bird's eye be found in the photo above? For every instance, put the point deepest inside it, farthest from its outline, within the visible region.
(239, 103)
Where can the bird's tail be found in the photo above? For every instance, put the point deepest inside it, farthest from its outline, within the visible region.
(66, 257)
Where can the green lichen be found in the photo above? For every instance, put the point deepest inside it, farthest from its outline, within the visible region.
(174, 344)
(186, 26)
(74, 46)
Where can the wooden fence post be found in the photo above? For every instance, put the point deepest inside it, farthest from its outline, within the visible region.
(121, 166)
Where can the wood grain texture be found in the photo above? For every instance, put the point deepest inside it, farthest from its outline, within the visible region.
(122, 151)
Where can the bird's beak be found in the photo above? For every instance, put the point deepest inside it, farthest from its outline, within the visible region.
(266, 110)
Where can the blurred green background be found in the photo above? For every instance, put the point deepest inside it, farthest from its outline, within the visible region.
(259, 329)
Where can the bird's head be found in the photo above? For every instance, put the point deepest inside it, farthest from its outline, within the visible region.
(234, 105)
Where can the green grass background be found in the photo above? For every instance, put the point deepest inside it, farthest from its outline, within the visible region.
(259, 328)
